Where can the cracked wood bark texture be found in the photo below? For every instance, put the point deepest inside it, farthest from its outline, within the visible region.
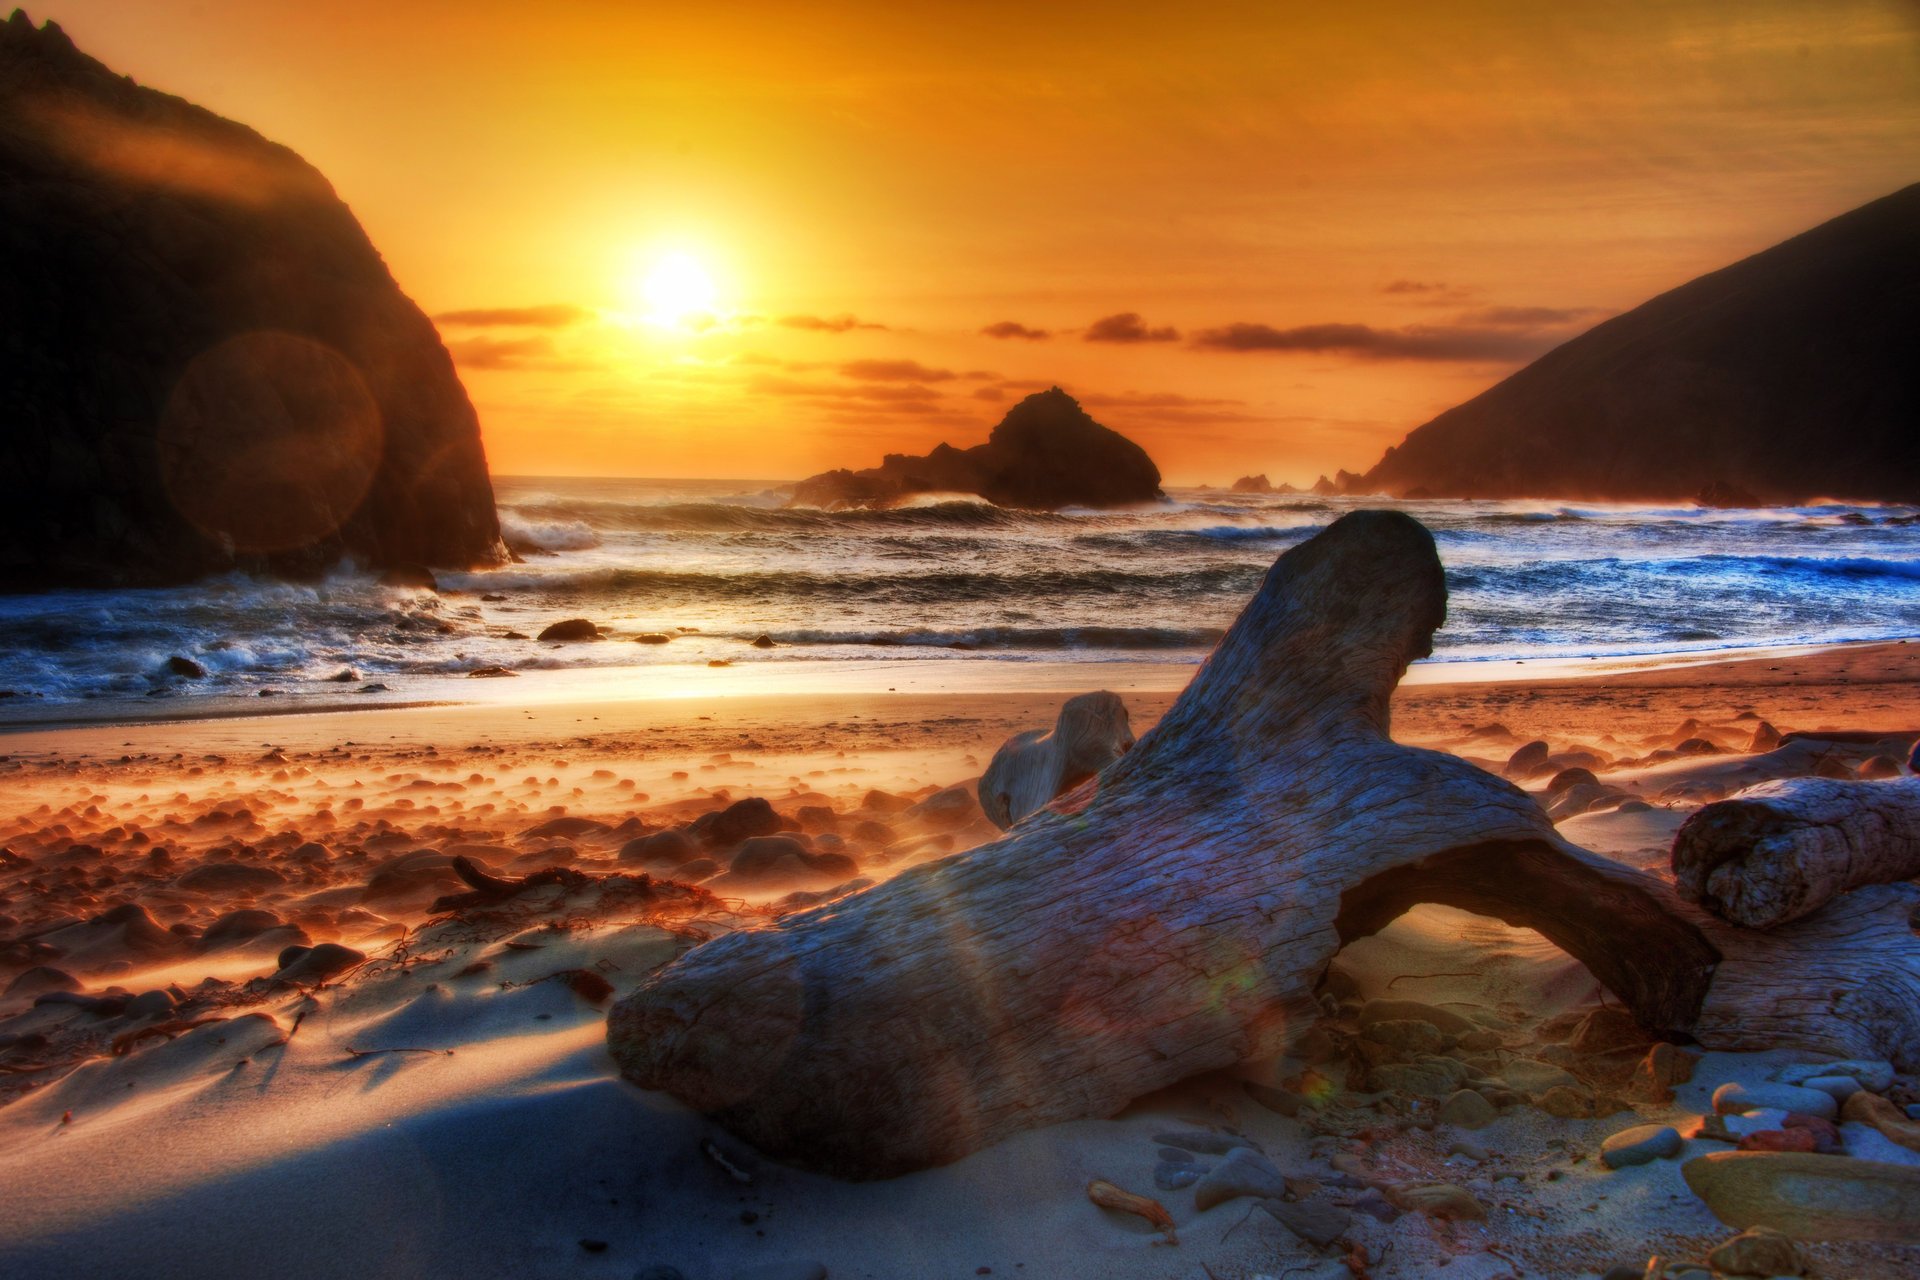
(1780, 851)
(1179, 921)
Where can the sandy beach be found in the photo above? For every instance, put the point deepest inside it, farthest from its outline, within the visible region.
(188, 1091)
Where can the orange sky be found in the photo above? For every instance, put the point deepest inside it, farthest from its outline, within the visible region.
(1328, 222)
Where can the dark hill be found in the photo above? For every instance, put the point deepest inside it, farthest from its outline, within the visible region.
(1786, 376)
(1045, 454)
(204, 364)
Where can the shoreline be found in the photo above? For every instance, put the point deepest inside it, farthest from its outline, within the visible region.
(667, 683)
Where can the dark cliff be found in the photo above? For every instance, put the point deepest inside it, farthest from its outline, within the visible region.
(1045, 454)
(204, 364)
(1786, 376)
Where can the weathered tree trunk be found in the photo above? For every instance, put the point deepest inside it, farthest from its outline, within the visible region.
(1782, 850)
(1180, 920)
(1030, 769)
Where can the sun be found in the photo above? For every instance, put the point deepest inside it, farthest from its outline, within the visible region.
(677, 291)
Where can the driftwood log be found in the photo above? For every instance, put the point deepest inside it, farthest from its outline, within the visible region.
(1032, 768)
(1180, 920)
(1782, 850)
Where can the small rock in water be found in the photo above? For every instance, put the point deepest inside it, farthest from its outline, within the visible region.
(1759, 1251)
(1641, 1144)
(1468, 1109)
(1735, 1098)
(1245, 1172)
(570, 629)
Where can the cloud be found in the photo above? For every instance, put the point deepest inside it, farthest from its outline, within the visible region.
(507, 353)
(1527, 317)
(1014, 329)
(1127, 326)
(1413, 342)
(557, 316)
(872, 392)
(993, 394)
(1416, 286)
(894, 371)
(829, 324)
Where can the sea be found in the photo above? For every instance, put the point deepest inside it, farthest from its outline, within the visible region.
(949, 583)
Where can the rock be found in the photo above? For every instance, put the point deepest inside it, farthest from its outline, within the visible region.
(40, 980)
(667, 848)
(1046, 453)
(762, 641)
(1872, 1075)
(1740, 379)
(1413, 1010)
(1439, 1200)
(407, 574)
(1203, 1141)
(1406, 1035)
(566, 828)
(1253, 484)
(149, 1005)
(1841, 1087)
(185, 668)
(1765, 738)
(1244, 1172)
(1528, 760)
(318, 964)
(1759, 1252)
(741, 820)
(1734, 1098)
(1607, 1030)
(1467, 1109)
(1876, 768)
(220, 370)
(345, 675)
(652, 637)
(783, 1271)
(1169, 1176)
(1778, 1140)
(953, 807)
(483, 673)
(569, 630)
(236, 926)
(1574, 777)
(1430, 1078)
(1314, 1221)
(1891, 1121)
(230, 877)
(1566, 1101)
(1809, 1197)
(1696, 747)
(1532, 1076)
(1642, 1144)
(1032, 769)
(1664, 1066)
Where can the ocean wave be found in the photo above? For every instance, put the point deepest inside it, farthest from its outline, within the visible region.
(871, 587)
(542, 537)
(1007, 638)
(725, 517)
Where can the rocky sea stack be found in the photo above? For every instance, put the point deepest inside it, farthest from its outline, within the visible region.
(1787, 376)
(1045, 454)
(204, 364)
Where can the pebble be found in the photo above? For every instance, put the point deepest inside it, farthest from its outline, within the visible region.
(1735, 1098)
(1245, 1172)
(1467, 1110)
(1810, 1197)
(1874, 1076)
(1313, 1221)
(1759, 1252)
(1438, 1200)
(1642, 1144)
(1841, 1087)
(1173, 1177)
